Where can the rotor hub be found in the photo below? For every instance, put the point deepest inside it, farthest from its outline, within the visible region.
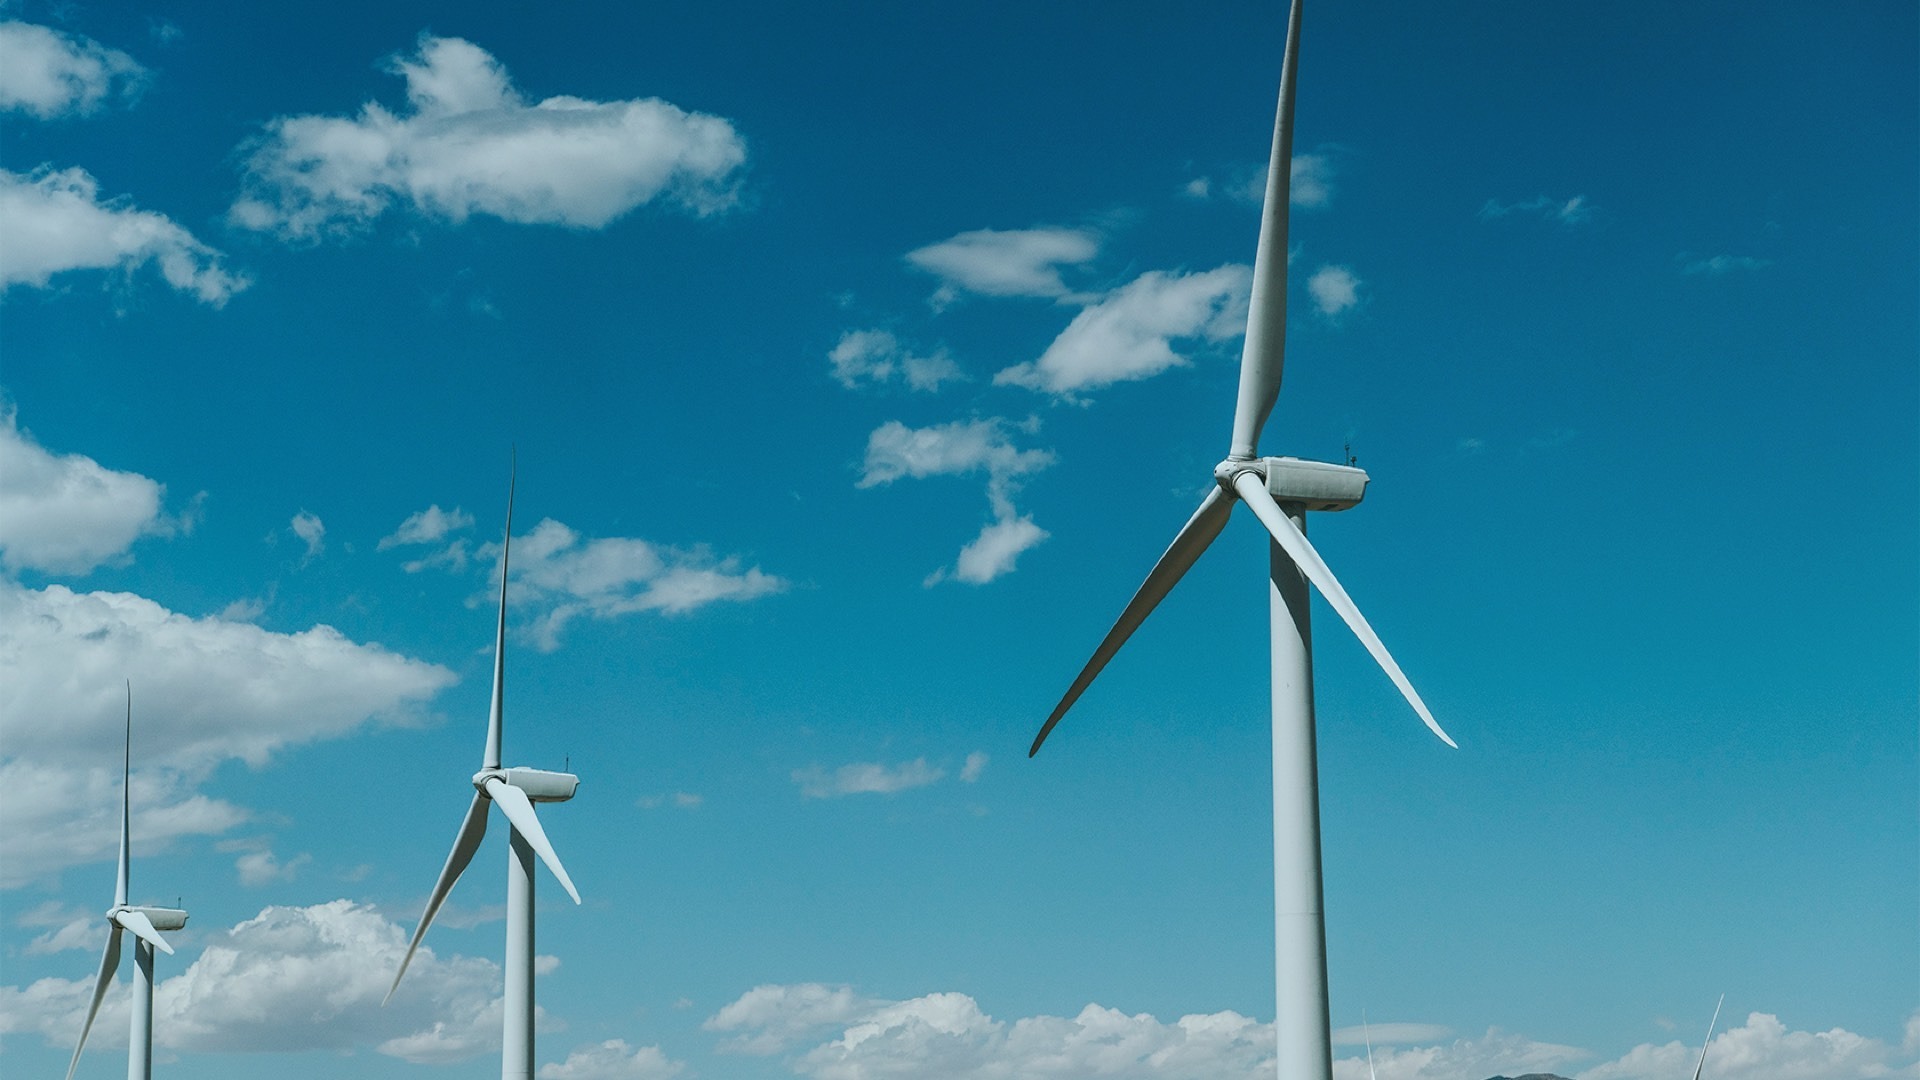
(1311, 485)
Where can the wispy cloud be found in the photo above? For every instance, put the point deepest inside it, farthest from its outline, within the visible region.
(1310, 179)
(1569, 211)
(1010, 262)
(876, 358)
(312, 532)
(1716, 265)
(55, 221)
(427, 526)
(866, 778)
(1129, 333)
(1335, 290)
(895, 451)
(469, 143)
(613, 1060)
(949, 1035)
(67, 513)
(563, 575)
(48, 73)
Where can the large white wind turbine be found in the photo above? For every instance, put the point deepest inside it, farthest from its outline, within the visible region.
(145, 923)
(514, 791)
(1280, 491)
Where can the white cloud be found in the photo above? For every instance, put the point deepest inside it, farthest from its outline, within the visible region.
(613, 1060)
(427, 526)
(291, 979)
(1570, 211)
(312, 532)
(866, 778)
(1764, 1049)
(681, 800)
(469, 143)
(50, 74)
(562, 576)
(975, 765)
(948, 1036)
(1496, 1053)
(771, 1018)
(1011, 262)
(71, 929)
(55, 221)
(1310, 184)
(1387, 1034)
(1723, 264)
(994, 552)
(198, 701)
(895, 451)
(257, 868)
(67, 513)
(1129, 333)
(1334, 289)
(1312, 180)
(876, 357)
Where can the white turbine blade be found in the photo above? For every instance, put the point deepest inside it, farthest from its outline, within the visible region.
(1709, 1042)
(519, 809)
(126, 796)
(142, 927)
(472, 831)
(109, 963)
(1264, 352)
(1193, 539)
(495, 713)
(1253, 490)
(1368, 1035)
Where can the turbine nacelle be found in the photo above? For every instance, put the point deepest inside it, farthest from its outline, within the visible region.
(539, 785)
(1292, 481)
(162, 918)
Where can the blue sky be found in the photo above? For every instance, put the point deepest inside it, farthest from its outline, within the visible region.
(859, 360)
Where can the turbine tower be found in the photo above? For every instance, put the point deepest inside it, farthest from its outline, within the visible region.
(145, 923)
(514, 791)
(1279, 491)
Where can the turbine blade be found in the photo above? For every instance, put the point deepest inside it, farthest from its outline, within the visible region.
(495, 713)
(126, 796)
(472, 831)
(109, 964)
(1709, 1042)
(1368, 1035)
(1253, 490)
(1193, 539)
(519, 809)
(142, 927)
(1263, 354)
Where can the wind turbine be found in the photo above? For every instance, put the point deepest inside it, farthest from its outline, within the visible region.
(1703, 1046)
(514, 791)
(1280, 491)
(145, 923)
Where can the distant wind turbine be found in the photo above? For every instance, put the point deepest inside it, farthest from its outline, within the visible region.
(1280, 491)
(514, 791)
(145, 923)
(1703, 1046)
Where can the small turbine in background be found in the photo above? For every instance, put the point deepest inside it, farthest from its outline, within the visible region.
(145, 924)
(514, 791)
